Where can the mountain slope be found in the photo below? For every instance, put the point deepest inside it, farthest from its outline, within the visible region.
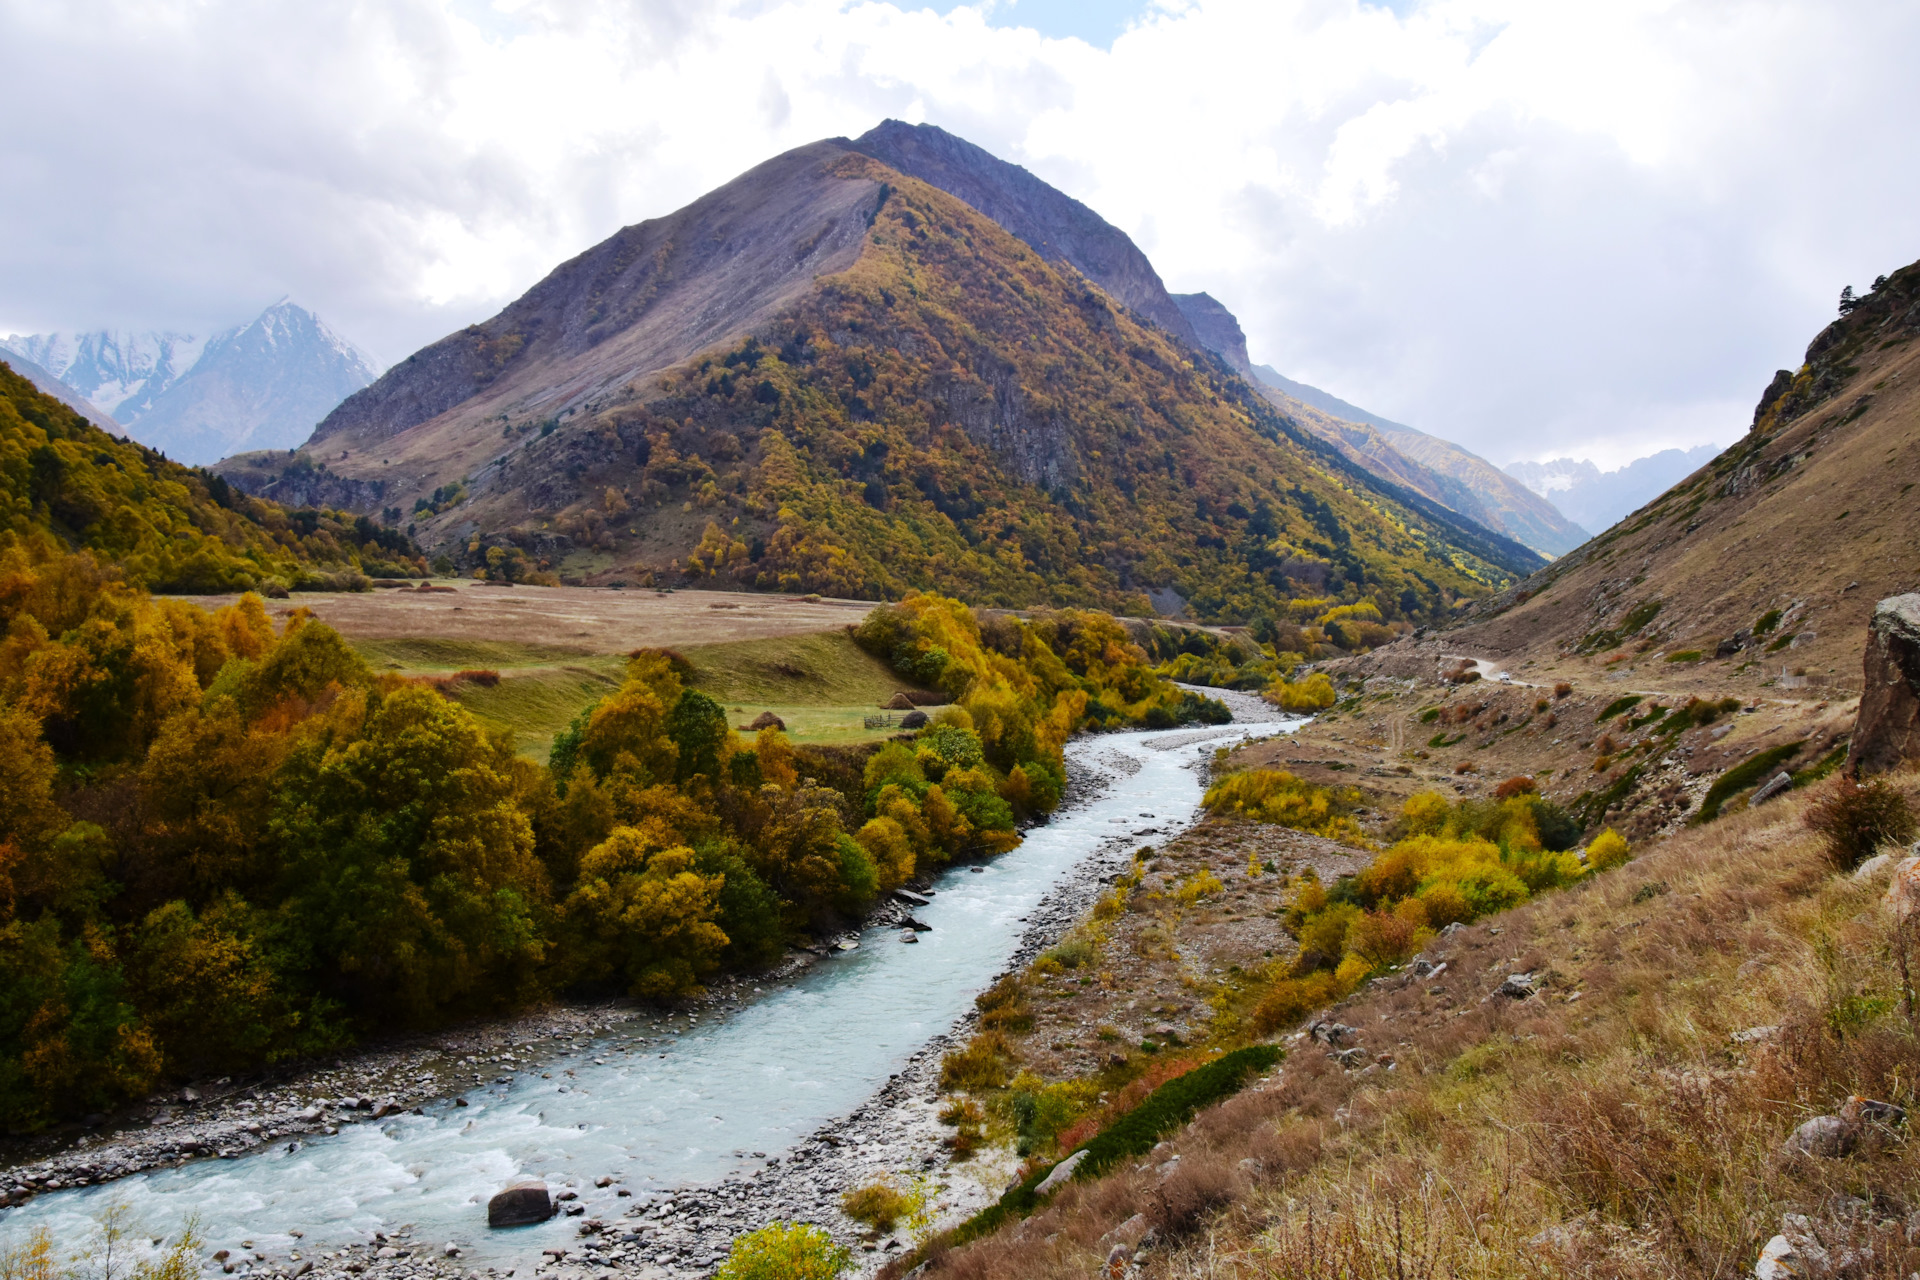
(1051, 223)
(1439, 468)
(66, 483)
(905, 396)
(50, 385)
(1793, 532)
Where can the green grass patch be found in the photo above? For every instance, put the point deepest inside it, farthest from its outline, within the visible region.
(1592, 806)
(1781, 643)
(1644, 612)
(1684, 655)
(1172, 1105)
(425, 656)
(1768, 621)
(822, 669)
(1743, 775)
(1822, 768)
(1653, 716)
(1429, 715)
(1442, 740)
(1618, 705)
(539, 704)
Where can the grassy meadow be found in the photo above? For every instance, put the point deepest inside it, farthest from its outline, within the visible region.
(821, 684)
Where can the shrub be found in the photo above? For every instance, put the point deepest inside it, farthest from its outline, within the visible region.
(880, 1204)
(1302, 697)
(1276, 796)
(982, 1064)
(1073, 953)
(1608, 850)
(1292, 999)
(1563, 689)
(1854, 820)
(1383, 938)
(1197, 886)
(1515, 787)
(785, 1251)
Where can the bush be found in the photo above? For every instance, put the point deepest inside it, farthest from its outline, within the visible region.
(785, 1251)
(880, 1204)
(1302, 697)
(1276, 796)
(1854, 821)
(982, 1064)
(1292, 999)
(1608, 850)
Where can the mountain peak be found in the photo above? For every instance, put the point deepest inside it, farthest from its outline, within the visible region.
(1052, 223)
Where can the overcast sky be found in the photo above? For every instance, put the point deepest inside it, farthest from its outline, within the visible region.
(1535, 228)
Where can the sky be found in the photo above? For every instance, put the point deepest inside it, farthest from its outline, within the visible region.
(1590, 228)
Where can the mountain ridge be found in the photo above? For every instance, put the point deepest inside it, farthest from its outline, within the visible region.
(945, 409)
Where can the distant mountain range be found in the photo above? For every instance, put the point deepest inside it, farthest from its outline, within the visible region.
(1600, 499)
(260, 385)
(837, 374)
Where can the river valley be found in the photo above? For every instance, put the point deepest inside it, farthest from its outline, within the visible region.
(671, 1134)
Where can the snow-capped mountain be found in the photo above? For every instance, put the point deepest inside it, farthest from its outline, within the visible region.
(1598, 499)
(262, 385)
(121, 371)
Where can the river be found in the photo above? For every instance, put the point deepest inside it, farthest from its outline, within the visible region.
(665, 1110)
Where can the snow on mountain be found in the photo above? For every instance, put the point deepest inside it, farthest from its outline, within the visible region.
(261, 385)
(1598, 499)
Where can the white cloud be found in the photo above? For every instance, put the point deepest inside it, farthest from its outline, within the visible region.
(1535, 227)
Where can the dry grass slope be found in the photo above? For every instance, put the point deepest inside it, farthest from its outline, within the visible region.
(1626, 1121)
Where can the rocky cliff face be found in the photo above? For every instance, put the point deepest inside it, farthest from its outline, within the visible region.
(1888, 733)
(1217, 328)
(1056, 226)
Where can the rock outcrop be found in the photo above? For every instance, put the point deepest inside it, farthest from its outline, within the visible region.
(1888, 732)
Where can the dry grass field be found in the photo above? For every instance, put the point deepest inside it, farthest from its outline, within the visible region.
(557, 649)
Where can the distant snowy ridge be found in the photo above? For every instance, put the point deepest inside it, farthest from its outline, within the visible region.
(260, 385)
(1599, 499)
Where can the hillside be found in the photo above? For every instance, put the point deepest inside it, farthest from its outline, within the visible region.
(890, 392)
(66, 483)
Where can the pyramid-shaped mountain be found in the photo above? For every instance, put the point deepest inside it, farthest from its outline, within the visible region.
(831, 375)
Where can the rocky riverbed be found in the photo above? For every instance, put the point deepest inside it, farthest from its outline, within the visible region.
(621, 1229)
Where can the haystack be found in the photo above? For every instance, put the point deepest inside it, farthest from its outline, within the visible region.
(767, 720)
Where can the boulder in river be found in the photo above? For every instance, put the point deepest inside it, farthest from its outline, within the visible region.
(519, 1205)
